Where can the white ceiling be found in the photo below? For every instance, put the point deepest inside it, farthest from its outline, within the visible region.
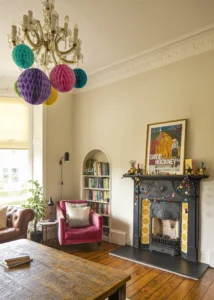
(113, 30)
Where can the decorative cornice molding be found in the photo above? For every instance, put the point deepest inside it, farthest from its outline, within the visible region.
(176, 50)
(189, 45)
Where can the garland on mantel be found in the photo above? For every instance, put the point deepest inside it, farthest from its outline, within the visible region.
(185, 183)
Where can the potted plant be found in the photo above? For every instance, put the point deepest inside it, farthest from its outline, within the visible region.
(36, 202)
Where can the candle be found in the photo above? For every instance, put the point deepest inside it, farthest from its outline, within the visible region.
(66, 28)
(30, 16)
(75, 33)
(25, 22)
(53, 22)
(13, 33)
(138, 166)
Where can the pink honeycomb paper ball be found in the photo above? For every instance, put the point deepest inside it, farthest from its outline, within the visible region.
(62, 78)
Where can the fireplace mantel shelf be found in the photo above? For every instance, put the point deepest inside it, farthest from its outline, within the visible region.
(165, 177)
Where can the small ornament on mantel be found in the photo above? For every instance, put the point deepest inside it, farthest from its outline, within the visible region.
(139, 170)
(132, 169)
(202, 169)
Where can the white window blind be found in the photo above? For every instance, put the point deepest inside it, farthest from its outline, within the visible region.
(14, 123)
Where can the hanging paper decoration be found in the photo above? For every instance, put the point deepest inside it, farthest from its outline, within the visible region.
(52, 98)
(16, 88)
(62, 78)
(81, 78)
(23, 56)
(34, 86)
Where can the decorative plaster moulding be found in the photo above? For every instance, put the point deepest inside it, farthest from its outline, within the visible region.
(191, 44)
(186, 46)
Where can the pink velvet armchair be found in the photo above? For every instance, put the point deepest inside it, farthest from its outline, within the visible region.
(69, 235)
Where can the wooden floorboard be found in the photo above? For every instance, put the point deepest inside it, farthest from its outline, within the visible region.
(146, 282)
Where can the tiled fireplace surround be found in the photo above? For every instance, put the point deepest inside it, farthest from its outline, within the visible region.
(168, 216)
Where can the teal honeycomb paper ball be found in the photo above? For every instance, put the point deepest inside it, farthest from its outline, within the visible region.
(16, 88)
(23, 56)
(81, 78)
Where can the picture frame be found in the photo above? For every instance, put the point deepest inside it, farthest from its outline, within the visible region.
(165, 147)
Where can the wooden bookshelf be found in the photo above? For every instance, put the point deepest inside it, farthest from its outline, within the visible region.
(96, 186)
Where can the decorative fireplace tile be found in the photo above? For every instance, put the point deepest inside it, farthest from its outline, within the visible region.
(145, 230)
(184, 228)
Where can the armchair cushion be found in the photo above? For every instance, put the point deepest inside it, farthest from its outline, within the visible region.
(77, 216)
(9, 234)
(3, 217)
(84, 232)
(62, 204)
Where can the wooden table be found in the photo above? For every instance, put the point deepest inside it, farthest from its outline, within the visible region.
(57, 275)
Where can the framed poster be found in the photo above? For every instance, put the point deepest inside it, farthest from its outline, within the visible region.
(165, 147)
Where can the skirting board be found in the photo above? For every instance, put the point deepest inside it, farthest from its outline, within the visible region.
(173, 264)
(117, 237)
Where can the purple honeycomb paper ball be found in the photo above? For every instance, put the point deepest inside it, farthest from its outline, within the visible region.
(62, 78)
(34, 86)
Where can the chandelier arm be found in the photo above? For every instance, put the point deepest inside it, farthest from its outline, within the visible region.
(41, 31)
(54, 58)
(38, 44)
(59, 53)
(68, 61)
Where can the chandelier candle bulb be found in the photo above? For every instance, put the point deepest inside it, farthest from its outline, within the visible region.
(30, 16)
(53, 22)
(25, 22)
(13, 33)
(75, 33)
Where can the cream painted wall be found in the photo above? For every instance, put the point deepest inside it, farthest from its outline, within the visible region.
(58, 140)
(114, 118)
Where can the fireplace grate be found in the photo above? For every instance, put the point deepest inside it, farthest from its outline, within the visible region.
(167, 245)
(166, 242)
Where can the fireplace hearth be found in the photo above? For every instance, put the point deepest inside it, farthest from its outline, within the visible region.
(165, 231)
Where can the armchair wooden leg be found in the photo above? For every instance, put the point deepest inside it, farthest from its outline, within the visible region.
(62, 248)
(99, 245)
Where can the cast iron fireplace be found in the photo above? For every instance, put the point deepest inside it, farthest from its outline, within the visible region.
(165, 231)
(149, 188)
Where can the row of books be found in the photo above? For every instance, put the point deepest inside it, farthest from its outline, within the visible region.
(15, 260)
(101, 168)
(99, 183)
(102, 209)
(97, 195)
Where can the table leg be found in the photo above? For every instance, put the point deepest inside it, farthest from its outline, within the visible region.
(46, 241)
(42, 235)
(120, 294)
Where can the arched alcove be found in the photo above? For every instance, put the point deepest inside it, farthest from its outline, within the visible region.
(96, 186)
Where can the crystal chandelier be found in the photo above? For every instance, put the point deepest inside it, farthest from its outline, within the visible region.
(51, 44)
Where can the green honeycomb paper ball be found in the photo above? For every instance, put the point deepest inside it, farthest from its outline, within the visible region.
(23, 56)
(16, 88)
(81, 78)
